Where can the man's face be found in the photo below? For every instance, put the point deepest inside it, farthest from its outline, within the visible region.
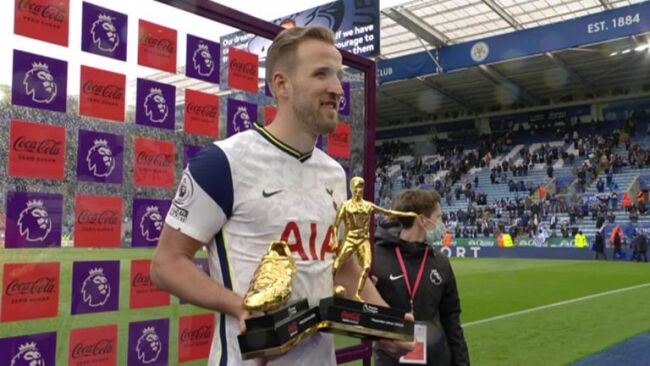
(316, 86)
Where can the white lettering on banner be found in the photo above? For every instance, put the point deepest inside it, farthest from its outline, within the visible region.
(460, 251)
(358, 44)
(616, 22)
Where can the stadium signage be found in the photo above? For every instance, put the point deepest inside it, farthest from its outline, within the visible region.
(46, 20)
(31, 291)
(157, 46)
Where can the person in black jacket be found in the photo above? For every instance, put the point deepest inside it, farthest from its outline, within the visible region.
(436, 303)
(599, 245)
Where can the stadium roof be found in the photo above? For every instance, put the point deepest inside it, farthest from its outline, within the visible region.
(419, 24)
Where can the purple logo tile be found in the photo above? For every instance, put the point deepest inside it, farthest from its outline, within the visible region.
(104, 32)
(148, 343)
(39, 82)
(28, 350)
(202, 59)
(33, 220)
(148, 221)
(155, 104)
(344, 105)
(188, 152)
(319, 142)
(100, 157)
(202, 263)
(95, 287)
(241, 116)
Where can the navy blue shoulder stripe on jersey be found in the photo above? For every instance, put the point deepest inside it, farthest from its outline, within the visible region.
(211, 170)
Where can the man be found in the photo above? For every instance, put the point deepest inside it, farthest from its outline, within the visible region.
(415, 276)
(239, 194)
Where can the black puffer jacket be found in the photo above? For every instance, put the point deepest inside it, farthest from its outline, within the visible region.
(436, 301)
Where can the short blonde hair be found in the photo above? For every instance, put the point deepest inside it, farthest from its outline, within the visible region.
(282, 52)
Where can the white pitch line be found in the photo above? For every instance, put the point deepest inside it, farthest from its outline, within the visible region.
(548, 306)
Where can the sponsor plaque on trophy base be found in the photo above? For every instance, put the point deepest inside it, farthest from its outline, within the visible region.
(362, 320)
(277, 332)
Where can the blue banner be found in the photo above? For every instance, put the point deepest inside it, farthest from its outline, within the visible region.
(610, 24)
(355, 24)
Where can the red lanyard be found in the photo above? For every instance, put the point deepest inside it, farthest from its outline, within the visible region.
(416, 285)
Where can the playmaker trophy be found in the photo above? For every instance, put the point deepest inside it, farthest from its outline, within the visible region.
(282, 327)
(355, 317)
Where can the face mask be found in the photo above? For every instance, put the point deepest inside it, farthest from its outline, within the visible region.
(434, 236)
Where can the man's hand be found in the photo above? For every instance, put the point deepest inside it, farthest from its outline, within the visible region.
(397, 349)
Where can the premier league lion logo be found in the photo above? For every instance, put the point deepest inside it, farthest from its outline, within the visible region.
(202, 59)
(39, 83)
(34, 223)
(148, 346)
(96, 290)
(28, 355)
(155, 106)
(151, 224)
(100, 159)
(105, 34)
(241, 121)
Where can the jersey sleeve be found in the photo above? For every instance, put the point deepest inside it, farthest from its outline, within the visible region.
(204, 198)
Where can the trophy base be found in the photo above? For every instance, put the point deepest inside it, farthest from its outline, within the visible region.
(276, 333)
(362, 320)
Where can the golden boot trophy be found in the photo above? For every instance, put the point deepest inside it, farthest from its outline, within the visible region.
(282, 327)
(355, 317)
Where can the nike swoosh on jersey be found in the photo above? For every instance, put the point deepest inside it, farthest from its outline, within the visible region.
(393, 278)
(269, 194)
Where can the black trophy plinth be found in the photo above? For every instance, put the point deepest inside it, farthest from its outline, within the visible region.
(277, 332)
(362, 320)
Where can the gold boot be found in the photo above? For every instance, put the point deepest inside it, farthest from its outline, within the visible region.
(271, 285)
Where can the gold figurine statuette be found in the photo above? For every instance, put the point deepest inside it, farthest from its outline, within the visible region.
(355, 215)
(271, 285)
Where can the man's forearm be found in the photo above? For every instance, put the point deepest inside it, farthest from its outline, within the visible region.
(181, 277)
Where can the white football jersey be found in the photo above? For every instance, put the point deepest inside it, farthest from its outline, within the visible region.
(239, 194)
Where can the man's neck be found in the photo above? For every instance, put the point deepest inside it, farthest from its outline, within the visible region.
(413, 234)
(290, 131)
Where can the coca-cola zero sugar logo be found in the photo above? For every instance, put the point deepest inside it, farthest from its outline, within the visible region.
(154, 163)
(201, 113)
(157, 46)
(95, 346)
(104, 346)
(30, 291)
(46, 20)
(243, 70)
(98, 221)
(40, 285)
(110, 91)
(45, 146)
(195, 336)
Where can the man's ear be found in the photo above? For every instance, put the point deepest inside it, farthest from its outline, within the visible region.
(282, 85)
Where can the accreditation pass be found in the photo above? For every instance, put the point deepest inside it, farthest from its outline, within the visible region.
(419, 355)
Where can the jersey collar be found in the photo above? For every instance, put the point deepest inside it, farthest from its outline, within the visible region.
(281, 145)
